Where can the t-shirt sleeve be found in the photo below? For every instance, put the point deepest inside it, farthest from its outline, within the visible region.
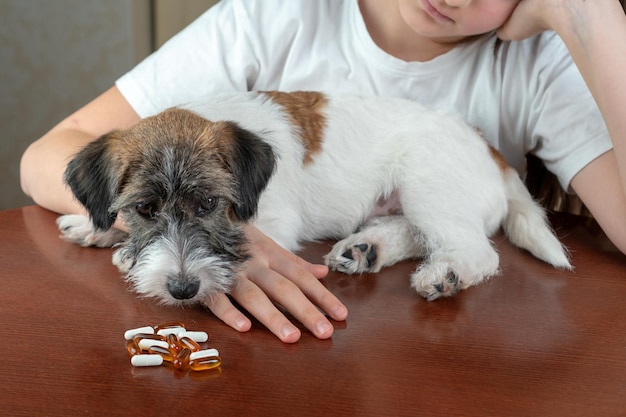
(565, 127)
(215, 53)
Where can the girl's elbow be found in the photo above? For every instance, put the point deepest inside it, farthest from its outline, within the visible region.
(32, 172)
(26, 172)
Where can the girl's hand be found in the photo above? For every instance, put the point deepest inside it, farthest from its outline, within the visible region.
(532, 17)
(274, 275)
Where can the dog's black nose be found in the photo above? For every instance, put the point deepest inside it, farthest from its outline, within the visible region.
(182, 290)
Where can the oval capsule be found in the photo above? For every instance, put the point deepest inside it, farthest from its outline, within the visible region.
(181, 361)
(143, 336)
(189, 343)
(171, 330)
(168, 324)
(146, 359)
(131, 333)
(196, 336)
(133, 348)
(146, 344)
(152, 336)
(173, 342)
(168, 355)
(203, 354)
(205, 363)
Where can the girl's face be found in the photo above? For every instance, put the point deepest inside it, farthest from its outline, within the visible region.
(453, 20)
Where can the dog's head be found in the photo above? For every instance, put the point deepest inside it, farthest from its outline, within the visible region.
(184, 186)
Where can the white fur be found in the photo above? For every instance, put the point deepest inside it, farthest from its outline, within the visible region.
(452, 194)
(162, 259)
(79, 229)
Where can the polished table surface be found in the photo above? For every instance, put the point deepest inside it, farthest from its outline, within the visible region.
(533, 341)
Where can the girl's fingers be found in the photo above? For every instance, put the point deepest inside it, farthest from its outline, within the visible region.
(224, 310)
(294, 299)
(303, 277)
(275, 276)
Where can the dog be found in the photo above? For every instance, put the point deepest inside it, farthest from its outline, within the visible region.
(301, 166)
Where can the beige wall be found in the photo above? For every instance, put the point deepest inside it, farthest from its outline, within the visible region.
(57, 55)
(171, 16)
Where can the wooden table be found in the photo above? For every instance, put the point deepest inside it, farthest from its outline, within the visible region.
(531, 342)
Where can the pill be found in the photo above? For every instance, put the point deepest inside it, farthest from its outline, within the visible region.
(132, 347)
(168, 355)
(170, 342)
(206, 363)
(171, 330)
(182, 359)
(173, 343)
(199, 337)
(142, 336)
(203, 354)
(168, 325)
(186, 342)
(146, 359)
(145, 344)
(129, 334)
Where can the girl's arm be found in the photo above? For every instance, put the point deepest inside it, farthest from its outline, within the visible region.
(594, 33)
(43, 163)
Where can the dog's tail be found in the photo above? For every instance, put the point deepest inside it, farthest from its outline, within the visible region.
(526, 224)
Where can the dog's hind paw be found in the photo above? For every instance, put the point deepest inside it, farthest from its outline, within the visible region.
(442, 287)
(80, 230)
(353, 258)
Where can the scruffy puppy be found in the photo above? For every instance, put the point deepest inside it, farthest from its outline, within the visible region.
(302, 166)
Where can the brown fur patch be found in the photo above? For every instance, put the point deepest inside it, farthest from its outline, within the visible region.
(305, 111)
(495, 154)
(188, 156)
(176, 127)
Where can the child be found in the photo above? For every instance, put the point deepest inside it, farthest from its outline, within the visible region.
(557, 91)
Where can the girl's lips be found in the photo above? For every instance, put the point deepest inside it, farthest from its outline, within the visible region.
(435, 13)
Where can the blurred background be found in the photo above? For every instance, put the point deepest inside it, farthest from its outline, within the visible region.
(57, 55)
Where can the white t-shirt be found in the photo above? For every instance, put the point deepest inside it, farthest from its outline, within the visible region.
(526, 97)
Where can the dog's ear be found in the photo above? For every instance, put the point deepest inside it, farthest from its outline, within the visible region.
(94, 176)
(252, 162)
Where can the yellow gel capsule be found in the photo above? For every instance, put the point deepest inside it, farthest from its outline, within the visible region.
(205, 363)
(181, 361)
(173, 343)
(133, 348)
(169, 325)
(189, 343)
(203, 354)
(141, 339)
(138, 338)
(167, 354)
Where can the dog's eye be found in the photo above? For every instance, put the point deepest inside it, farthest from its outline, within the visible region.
(207, 206)
(146, 210)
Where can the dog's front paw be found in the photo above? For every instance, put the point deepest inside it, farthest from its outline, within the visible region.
(124, 258)
(79, 229)
(353, 258)
(435, 281)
